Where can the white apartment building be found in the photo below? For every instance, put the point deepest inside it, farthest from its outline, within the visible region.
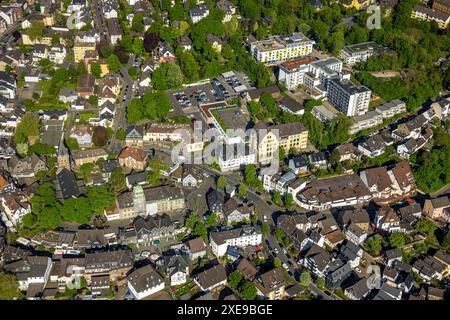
(238, 237)
(348, 98)
(360, 52)
(234, 156)
(273, 50)
(291, 73)
(366, 121)
(391, 108)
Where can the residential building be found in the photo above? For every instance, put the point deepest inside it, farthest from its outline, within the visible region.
(291, 73)
(197, 248)
(373, 146)
(134, 136)
(154, 229)
(426, 14)
(333, 192)
(86, 85)
(239, 237)
(235, 212)
(360, 52)
(437, 208)
(235, 156)
(81, 157)
(290, 105)
(391, 108)
(323, 114)
(144, 282)
(442, 6)
(31, 271)
(271, 284)
(211, 278)
(366, 121)
(287, 136)
(359, 290)
(348, 98)
(117, 263)
(83, 134)
(26, 167)
(199, 12)
(281, 48)
(316, 260)
(133, 158)
(228, 8)
(80, 49)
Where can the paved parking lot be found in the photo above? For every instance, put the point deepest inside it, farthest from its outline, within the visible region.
(187, 99)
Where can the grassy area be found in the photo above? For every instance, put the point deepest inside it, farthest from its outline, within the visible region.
(85, 116)
(340, 293)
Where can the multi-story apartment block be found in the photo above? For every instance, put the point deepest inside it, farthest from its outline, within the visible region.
(144, 202)
(348, 98)
(442, 6)
(322, 70)
(291, 73)
(235, 156)
(290, 136)
(427, 14)
(238, 237)
(360, 52)
(366, 121)
(391, 108)
(276, 49)
(80, 49)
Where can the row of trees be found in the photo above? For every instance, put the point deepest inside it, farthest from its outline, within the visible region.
(48, 212)
(153, 105)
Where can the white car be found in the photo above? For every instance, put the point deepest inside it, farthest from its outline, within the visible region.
(285, 266)
(357, 269)
(264, 218)
(276, 250)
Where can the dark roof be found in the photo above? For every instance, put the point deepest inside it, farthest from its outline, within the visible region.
(144, 278)
(211, 276)
(68, 184)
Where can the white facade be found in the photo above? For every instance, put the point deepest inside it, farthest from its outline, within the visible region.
(348, 98)
(145, 293)
(280, 48)
(244, 239)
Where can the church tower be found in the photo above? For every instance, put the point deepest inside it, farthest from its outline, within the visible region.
(63, 156)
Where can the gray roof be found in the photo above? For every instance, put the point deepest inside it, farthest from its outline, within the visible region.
(211, 276)
(145, 278)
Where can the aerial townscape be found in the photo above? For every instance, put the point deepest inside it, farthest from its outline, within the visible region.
(224, 150)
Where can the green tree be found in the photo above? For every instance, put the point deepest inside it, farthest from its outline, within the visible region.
(426, 226)
(100, 197)
(96, 70)
(248, 291)
(177, 12)
(242, 191)
(305, 278)
(276, 262)
(121, 134)
(138, 46)
(234, 279)
(251, 178)
(86, 170)
(167, 76)
(397, 239)
(374, 245)
(135, 110)
(118, 179)
(137, 23)
(265, 229)
(221, 182)
(211, 220)
(277, 198)
(288, 201)
(114, 64)
(9, 287)
(320, 282)
(72, 144)
(36, 29)
(27, 128)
